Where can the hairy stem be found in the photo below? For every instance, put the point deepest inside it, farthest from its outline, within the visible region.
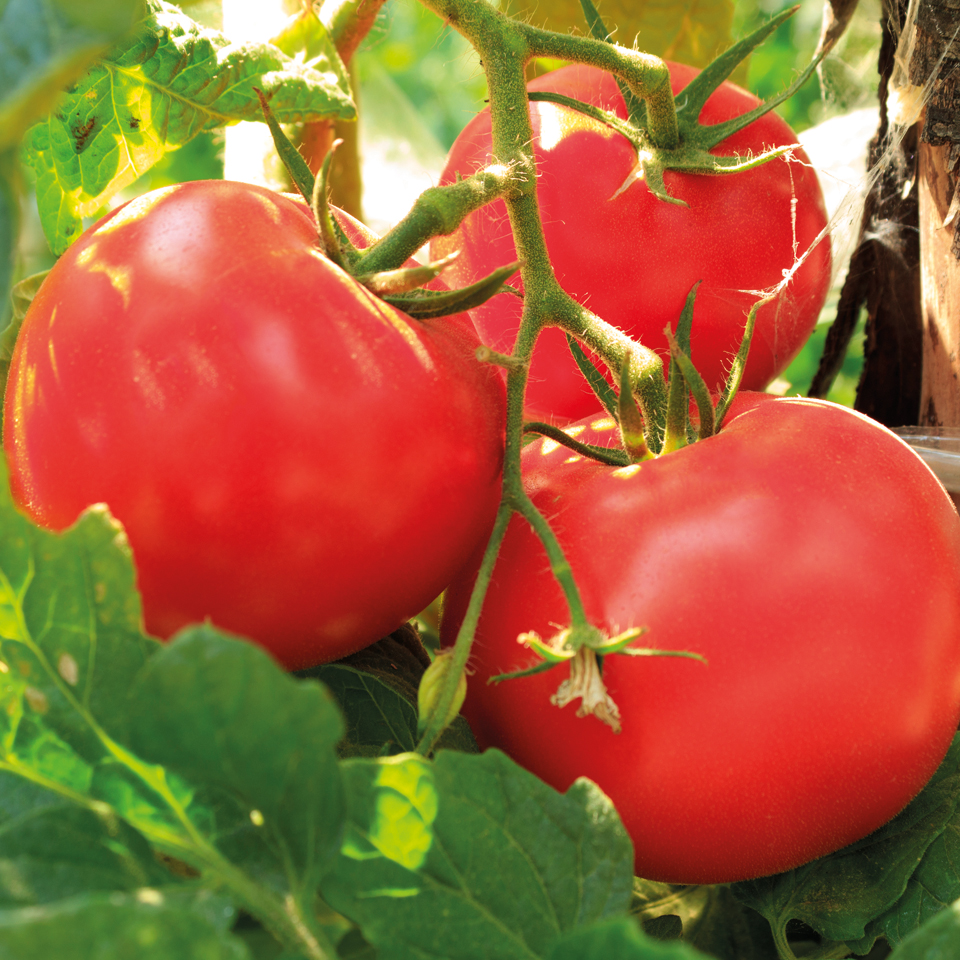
(437, 211)
(505, 46)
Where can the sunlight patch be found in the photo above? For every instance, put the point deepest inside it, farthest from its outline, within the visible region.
(402, 828)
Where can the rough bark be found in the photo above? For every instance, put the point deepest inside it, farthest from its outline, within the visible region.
(884, 273)
(934, 61)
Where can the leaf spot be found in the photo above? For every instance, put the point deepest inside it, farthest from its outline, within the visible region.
(68, 669)
(82, 134)
(36, 699)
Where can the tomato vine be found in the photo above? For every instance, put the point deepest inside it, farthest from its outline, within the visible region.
(505, 46)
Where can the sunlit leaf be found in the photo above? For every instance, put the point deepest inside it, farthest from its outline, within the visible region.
(45, 45)
(506, 862)
(154, 94)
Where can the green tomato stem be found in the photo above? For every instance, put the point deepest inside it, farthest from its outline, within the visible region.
(436, 721)
(646, 76)
(437, 211)
(505, 46)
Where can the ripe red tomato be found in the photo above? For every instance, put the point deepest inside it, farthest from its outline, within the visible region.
(814, 560)
(632, 258)
(291, 457)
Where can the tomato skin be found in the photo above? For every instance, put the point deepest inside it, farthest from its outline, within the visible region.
(814, 561)
(632, 258)
(290, 456)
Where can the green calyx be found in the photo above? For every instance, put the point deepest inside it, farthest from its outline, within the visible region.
(583, 648)
(394, 283)
(691, 151)
(638, 441)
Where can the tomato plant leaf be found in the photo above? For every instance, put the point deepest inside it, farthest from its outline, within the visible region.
(305, 38)
(707, 917)
(258, 743)
(70, 640)
(939, 938)
(505, 860)
(46, 44)
(150, 924)
(70, 647)
(154, 94)
(377, 715)
(382, 720)
(872, 877)
(621, 938)
(934, 885)
(52, 852)
(377, 691)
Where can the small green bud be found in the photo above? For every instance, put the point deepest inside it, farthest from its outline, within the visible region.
(432, 682)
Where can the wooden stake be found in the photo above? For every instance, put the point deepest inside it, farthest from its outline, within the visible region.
(930, 54)
(940, 280)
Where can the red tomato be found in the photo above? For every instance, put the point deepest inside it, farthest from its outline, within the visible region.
(290, 456)
(814, 560)
(632, 258)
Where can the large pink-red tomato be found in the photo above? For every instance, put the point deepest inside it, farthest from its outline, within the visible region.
(632, 258)
(290, 456)
(814, 561)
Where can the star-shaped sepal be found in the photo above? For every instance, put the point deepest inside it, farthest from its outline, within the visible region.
(691, 153)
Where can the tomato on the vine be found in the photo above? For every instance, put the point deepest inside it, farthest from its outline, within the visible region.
(291, 457)
(632, 258)
(814, 561)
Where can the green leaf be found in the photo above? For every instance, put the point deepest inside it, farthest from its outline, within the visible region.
(54, 851)
(221, 714)
(708, 917)
(934, 884)
(146, 925)
(382, 720)
(620, 938)
(874, 886)
(939, 939)
(44, 46)
(308, 41)
(174, 79)
(377, 692)
(84, 713)
(70, 644)
(508, 863)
